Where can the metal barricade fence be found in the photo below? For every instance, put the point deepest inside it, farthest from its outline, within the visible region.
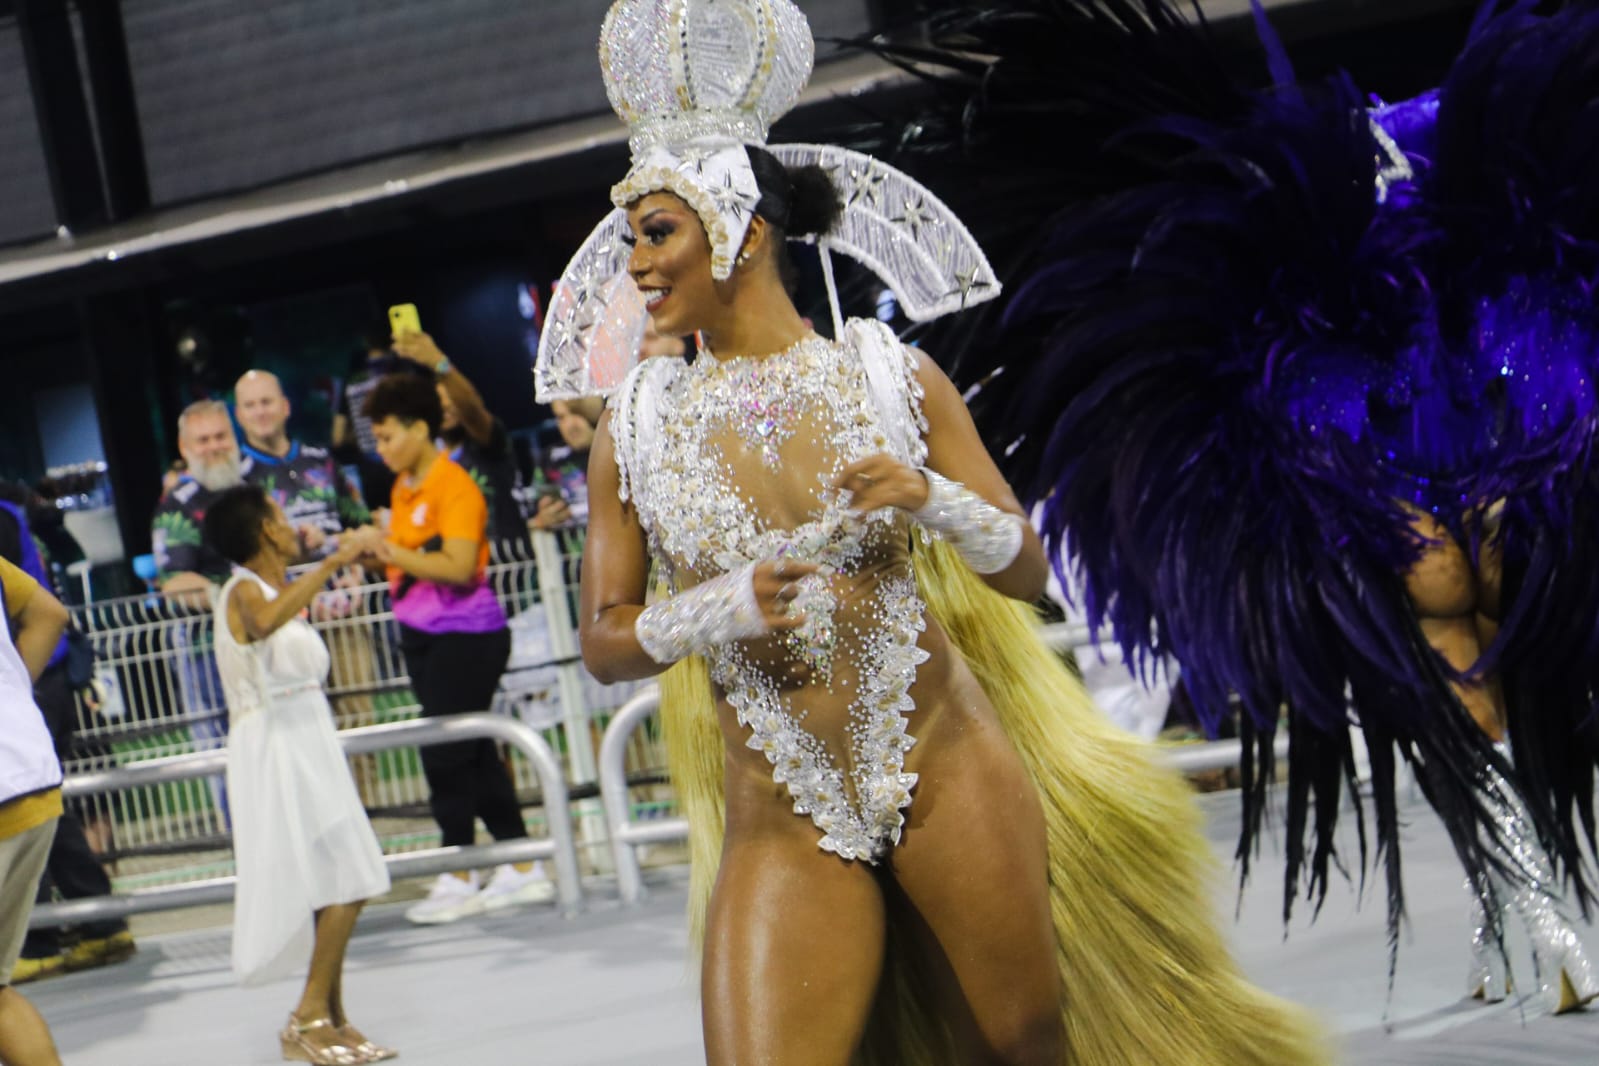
(559, 845)
(163, 699)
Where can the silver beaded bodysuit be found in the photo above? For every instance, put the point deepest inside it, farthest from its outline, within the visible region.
(728, 463)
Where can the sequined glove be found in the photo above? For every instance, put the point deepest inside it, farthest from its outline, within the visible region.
(712, 613)
(988, 538)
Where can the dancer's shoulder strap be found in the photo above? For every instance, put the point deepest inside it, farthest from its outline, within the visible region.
(636, 421)
(896, 391)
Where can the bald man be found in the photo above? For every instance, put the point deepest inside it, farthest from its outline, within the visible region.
(305, 481)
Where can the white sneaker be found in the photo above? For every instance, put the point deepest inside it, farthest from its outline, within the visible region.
(510, 887)
(449, 900)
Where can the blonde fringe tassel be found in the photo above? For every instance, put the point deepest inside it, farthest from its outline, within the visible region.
(1146, 971)
(694, 753)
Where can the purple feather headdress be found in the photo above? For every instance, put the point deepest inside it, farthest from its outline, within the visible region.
(1278, 324)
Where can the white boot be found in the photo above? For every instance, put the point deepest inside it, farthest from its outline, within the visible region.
(1566, 975)
(1487, 979)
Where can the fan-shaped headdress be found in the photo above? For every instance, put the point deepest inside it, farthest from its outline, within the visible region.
(697, 81)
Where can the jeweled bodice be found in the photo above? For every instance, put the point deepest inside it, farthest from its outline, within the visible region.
(749, 451)
(742, 466)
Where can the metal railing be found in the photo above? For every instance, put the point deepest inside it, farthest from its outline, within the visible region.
(1067, 636)
(560, 845)
(163, 699)
(625, 834)
(1203, 757)
(141, 777)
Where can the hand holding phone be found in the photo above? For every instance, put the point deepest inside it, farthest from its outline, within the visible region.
(403, 319)
(412, 344)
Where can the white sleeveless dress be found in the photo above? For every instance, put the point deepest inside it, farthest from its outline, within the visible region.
(301, 839)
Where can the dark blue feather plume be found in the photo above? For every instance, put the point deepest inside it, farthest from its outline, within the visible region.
(1264, 327)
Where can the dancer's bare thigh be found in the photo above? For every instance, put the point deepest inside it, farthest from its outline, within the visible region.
(974, 865)
(794, 941)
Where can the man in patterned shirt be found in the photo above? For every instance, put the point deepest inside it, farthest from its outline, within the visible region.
(316, 497)
(186, 567)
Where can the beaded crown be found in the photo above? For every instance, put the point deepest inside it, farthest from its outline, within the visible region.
(697, 81)
(683, 70)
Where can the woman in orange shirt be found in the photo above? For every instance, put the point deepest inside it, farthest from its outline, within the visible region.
(454, 637)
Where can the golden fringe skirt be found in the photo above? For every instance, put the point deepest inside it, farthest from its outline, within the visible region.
(1146, 975)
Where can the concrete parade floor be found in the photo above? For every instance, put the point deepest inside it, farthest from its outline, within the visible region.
(609, 988)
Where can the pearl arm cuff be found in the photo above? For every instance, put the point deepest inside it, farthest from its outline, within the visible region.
(716, 612)
(988, 538)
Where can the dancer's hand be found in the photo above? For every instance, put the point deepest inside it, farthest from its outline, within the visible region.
(880, 481)
(776, 586)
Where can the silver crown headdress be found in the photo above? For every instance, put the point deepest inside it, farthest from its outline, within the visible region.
(696, 81)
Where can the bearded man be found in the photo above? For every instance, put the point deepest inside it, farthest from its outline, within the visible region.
(187, 567)
(191, 571)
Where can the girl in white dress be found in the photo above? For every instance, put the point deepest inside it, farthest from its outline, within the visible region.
(304, 849)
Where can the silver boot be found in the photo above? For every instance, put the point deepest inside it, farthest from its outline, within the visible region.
(1566, 975)
(1488, 979)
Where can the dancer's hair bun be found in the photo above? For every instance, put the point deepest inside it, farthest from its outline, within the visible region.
(816, 207)
(802, 201)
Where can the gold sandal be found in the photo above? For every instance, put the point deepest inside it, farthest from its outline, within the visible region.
(373, 1052)
(296, 1048)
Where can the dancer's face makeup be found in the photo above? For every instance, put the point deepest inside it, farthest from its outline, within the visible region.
(671, 263)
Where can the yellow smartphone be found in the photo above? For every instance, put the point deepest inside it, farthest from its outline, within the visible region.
(404, 319)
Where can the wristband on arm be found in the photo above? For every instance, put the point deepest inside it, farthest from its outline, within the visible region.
(988, 538)
(713, 613)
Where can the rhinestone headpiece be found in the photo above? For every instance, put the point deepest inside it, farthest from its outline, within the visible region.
(697, 82)
(682, 70)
